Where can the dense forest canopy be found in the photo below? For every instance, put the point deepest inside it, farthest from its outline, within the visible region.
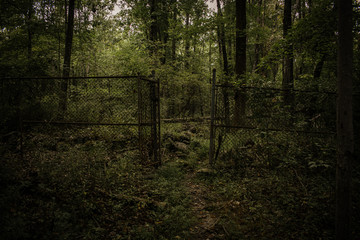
(116, 37)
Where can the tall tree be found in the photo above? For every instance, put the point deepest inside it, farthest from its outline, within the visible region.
(187, 38)
(288, 74)
(223, 52)
(153, 24)
(67, 55)
(345, 138)
(240, 59)
(29, 29)
(258, 46)
(222, 39)
(174, 20)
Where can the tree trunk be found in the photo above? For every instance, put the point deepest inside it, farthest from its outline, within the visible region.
(288, 74)
(258, 46)
(240, 61)
(222, 41)
(222, 45)
(153, 24)
(67, 56)
(164, 33)
(30, 30)
(319, 67)
(187, 41)
(173, 40)
(345, 138)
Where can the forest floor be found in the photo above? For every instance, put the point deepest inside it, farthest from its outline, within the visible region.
(205, 228)
(81, 184)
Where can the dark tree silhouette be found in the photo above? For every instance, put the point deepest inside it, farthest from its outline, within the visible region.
(345, 138)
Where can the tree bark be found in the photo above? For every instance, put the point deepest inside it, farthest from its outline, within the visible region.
(258, 46)
(240, 61)
(187, 40)
(173, 40)
(288, 74)
(153, 25)
(30, 30)
(222, 45)
(164, 33)
(222, 40)
(67, 56)
(345, 134)
(319, 67)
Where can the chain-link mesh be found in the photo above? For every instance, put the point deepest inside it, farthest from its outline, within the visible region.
(249, 118)
(117, 109)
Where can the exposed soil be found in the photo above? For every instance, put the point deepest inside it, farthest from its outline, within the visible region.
(208, 223)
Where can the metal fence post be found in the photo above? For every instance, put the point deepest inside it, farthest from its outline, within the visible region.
(21, 117)
(140, 129)
(155, 135)
(212, 116)
(159, 122)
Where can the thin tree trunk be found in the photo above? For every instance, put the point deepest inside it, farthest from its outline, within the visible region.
(222, 45)
(222, 41)
(219, 45)
(345, 134)
(173, 41)
(240, 61)
(187, 41)
(164, 34)
(67, 56)
(153, 25)
(210, 55)
(319, 67)
(288, 74)
(30, 29)
(258, 46)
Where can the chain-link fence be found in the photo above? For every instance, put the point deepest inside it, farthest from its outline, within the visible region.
(252, 121)
(109, 115)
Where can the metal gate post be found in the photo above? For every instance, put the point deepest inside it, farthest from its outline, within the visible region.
(212, 115)
(158, 150)
(140, 119)
(155, 121)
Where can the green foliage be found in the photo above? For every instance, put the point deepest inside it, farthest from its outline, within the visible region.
(80, 183)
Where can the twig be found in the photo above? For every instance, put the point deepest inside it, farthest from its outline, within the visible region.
(297, 176)
(226, 232)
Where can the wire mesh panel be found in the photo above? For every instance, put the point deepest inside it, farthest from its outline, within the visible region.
(149, 119)
(245, 117)
(124, 106)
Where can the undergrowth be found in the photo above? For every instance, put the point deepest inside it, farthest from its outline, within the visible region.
(80, 185)
(92, 184)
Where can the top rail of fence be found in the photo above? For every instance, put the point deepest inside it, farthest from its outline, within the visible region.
(145, 78)
(274, 89)
(229, 85)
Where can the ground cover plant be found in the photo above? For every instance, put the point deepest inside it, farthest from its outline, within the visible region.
(85, 186)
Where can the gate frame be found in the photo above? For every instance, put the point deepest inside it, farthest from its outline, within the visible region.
(154, 86)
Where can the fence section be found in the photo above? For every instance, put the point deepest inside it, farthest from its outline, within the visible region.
(123, 108)
(242, 116)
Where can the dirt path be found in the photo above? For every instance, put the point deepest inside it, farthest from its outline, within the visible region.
(207, 226)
